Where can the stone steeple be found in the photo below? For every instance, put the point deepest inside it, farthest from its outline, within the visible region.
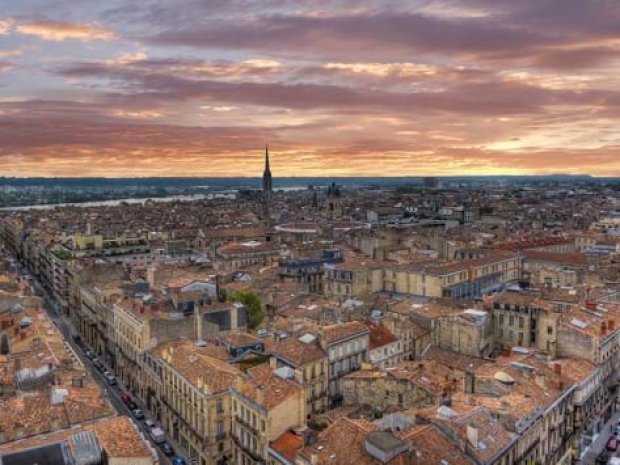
(267, 185)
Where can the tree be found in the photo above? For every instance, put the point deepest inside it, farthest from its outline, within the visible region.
(4, 344)
(256, 314)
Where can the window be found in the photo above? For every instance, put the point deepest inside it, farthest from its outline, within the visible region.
(262, 425)
(521, 322)
(549, 329)
(219, 406)
(512, 320)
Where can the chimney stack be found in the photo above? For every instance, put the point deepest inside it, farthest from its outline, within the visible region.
(470, 380)
(150, 275)
(198, 317)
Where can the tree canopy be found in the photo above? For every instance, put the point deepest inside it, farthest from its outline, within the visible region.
(256, 314)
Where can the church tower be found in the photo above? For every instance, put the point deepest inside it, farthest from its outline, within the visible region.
(267, 186)
(267, 192)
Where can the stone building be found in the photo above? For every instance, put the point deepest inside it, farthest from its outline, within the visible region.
(187, 391)
(469, 332)
(265, 405)
(347, 347)
(311, 367)
(407, 385)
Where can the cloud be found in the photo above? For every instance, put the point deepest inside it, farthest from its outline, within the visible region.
(370, 34)
(58, 31)
(424, 86)
(66, 138)
(6, 25)
(500, 97)
(385, 69)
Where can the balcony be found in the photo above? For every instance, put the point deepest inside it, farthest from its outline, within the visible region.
(258, 460)
(247, 424)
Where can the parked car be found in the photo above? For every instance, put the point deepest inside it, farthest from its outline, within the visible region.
(137, 413)
(149, 423)
(97, 364)
(166, 449)
(89, 354)
(157, 435)
(128, 401)
(612, 444)
(178, 461)
(110, 378)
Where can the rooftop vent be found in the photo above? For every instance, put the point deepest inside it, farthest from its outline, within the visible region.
(384, 446)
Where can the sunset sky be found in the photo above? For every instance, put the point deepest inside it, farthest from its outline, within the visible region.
(336, 87)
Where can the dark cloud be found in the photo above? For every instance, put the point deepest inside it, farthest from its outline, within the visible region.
(372, 35)
(491, 97)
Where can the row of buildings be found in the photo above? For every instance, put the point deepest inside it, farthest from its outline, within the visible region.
(471, 326)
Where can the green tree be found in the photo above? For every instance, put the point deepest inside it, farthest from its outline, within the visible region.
(256, 314)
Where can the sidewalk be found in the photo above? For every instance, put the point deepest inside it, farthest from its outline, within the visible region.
(600, 441)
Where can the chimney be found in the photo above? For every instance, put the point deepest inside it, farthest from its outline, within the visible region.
(540, 379)
(611, 325)
(557, 368)
(314, 458)
(198, 319)
(470, 380)
(472, 436)
(603, 328)
(260, 397)
(590, 304)
(150, 275)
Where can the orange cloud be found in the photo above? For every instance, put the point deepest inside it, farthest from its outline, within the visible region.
(59, 31)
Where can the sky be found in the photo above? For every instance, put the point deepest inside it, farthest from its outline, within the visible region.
(125, 88)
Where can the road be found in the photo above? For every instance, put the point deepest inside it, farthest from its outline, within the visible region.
(600, 442)
(111, 392)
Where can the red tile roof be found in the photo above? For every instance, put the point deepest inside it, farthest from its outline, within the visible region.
(287, 445)
(379, 336)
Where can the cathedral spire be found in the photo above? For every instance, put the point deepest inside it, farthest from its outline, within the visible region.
(267, 185)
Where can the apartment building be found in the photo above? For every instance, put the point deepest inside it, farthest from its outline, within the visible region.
(240, 255)
(527, 320)
(188, 392)
(457, 280)
(311, 366)
(266, 404)
(347, 347)
(384, 348)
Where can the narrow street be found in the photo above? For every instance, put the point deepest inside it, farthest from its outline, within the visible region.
(113, 393)
(600, 442)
